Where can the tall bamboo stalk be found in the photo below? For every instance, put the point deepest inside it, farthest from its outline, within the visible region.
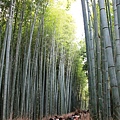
(92, 88)
(117, 42)
(7, 57)
(111, 66)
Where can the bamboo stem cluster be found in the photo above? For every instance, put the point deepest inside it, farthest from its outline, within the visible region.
(38, 76)
(103, 47)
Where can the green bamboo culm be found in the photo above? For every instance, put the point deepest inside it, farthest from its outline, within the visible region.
(110, 59)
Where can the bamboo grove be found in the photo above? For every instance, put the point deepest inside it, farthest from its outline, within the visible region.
(40, 65)
(102, 36)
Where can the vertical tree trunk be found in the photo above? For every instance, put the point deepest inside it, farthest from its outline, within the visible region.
(92, 87)
(117, 42)
(111, 66)
(7, 58)
(98, 60)
(26, 65)
(16, 61)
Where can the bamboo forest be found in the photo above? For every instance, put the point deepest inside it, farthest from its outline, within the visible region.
(47, 72)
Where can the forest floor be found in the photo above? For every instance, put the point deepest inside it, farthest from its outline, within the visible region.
(79, 115)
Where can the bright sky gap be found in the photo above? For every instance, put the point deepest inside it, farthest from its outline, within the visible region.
(76, 12)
